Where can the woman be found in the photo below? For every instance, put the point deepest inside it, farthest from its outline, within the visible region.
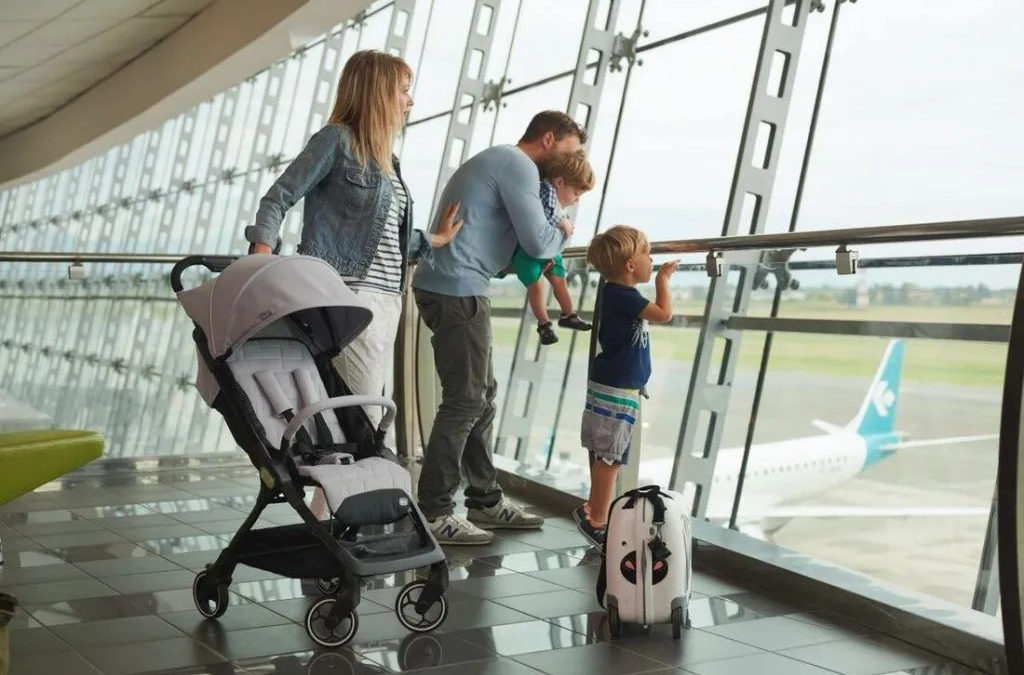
(358, 212)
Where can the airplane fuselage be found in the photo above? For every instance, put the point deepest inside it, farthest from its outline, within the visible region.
(776, 472)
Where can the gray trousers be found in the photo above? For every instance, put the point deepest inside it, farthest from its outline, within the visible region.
(461, 439)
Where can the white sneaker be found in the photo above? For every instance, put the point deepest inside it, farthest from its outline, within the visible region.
(505, 515)
(457, 531)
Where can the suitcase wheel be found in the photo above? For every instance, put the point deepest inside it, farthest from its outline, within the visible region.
(614, 624)
(678, 622)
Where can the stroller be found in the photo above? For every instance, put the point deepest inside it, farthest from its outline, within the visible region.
(266, 329)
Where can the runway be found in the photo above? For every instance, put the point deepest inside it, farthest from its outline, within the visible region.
(932, 554)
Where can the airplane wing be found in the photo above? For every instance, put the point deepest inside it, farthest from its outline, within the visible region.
(902, 445)
(827, 427)
(845, 511)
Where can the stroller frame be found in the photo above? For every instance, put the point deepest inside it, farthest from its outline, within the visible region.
(330, 550)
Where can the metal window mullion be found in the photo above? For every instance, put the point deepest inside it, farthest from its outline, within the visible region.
(326, 79)
(459, 131)
(527, 373)
(695, 458)
(260, 149)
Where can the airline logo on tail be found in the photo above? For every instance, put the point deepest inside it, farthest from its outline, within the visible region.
(883, 398)
(876, 420)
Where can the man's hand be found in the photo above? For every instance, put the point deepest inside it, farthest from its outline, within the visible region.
(448, 227)
(566, 227)
(260, 247)
(666, 271)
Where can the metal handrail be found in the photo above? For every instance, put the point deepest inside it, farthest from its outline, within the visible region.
(885, 234)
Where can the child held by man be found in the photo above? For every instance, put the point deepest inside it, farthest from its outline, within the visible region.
(564, 178)
(622, 367)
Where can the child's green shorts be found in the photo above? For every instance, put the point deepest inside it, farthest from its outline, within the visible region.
(529, 269)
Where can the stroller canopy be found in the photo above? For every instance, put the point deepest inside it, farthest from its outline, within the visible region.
(257, 290)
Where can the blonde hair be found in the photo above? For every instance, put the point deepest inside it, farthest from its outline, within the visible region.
(610, 251)
(572, 167)
(367, 103)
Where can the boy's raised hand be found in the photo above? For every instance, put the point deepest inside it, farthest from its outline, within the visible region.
(448, 227)
(667, 270)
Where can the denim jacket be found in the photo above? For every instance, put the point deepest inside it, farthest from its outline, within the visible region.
(345, 209)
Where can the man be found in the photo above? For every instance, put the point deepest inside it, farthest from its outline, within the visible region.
(499, 192)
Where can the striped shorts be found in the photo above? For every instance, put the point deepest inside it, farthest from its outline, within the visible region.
(608, 419)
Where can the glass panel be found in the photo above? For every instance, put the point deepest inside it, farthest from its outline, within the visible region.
(676, 151)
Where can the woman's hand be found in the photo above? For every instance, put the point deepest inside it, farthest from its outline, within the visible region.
(259, 247)
(447, 228)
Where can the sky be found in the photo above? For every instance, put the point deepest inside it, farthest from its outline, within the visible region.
(919, 120)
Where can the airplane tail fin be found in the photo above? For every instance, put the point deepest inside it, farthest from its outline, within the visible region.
(877, 414)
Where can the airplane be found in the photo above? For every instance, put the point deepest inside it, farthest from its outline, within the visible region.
(792, 470)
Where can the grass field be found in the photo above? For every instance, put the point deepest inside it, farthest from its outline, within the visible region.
(952, 362)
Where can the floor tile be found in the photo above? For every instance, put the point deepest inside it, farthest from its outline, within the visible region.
(250, 643)
(153, 581)
(123, 549)
(602, 658)
(523, 638)
(581, 577)
(548, 538)
(692, 647)
(865, 655)
(503, 586)
(310, 662)
(32, 641)
(115, 631)
(49, 664)
(777, 633)
(161, 602)
(155, 654)
(240, 617)
(417, 651)
(555, 603)
(74, 589)
(140, 534)
(16, 576)
(147, 564)
(758, 663)
(84, 610)
(705, 612)
(94, 538)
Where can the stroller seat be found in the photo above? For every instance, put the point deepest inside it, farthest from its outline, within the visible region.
(280, 377)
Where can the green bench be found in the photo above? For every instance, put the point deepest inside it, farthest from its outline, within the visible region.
(29, 459)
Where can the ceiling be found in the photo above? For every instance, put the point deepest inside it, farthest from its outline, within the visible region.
(53, 50)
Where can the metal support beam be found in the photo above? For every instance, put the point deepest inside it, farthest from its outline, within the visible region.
(468, 93)
(753, 178)
(597, 44)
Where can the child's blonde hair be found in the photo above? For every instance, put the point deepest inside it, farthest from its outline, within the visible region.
(367, 103)
(572, 167)
(610, 251)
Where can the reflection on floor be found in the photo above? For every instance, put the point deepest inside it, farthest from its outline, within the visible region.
(103, 567)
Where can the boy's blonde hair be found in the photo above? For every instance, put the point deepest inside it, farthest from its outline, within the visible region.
(367, 103)
(572, 167)
(610, 251)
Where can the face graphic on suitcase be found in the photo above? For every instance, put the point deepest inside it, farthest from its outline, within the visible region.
(659, 569)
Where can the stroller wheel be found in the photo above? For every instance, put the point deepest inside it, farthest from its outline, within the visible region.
(328, 586)
(211, 600)
(405, 609)
(329, 636)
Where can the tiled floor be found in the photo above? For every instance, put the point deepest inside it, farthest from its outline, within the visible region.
(102, 567)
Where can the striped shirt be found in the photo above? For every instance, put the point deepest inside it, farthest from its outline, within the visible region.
(385, 273)
(553, 210)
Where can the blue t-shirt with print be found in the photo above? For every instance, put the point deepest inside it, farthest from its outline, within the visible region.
(625, 357)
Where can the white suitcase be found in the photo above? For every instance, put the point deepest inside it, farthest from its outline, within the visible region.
(646, 571)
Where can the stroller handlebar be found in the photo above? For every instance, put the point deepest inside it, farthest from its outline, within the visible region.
(214, 263)
(339, 402)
